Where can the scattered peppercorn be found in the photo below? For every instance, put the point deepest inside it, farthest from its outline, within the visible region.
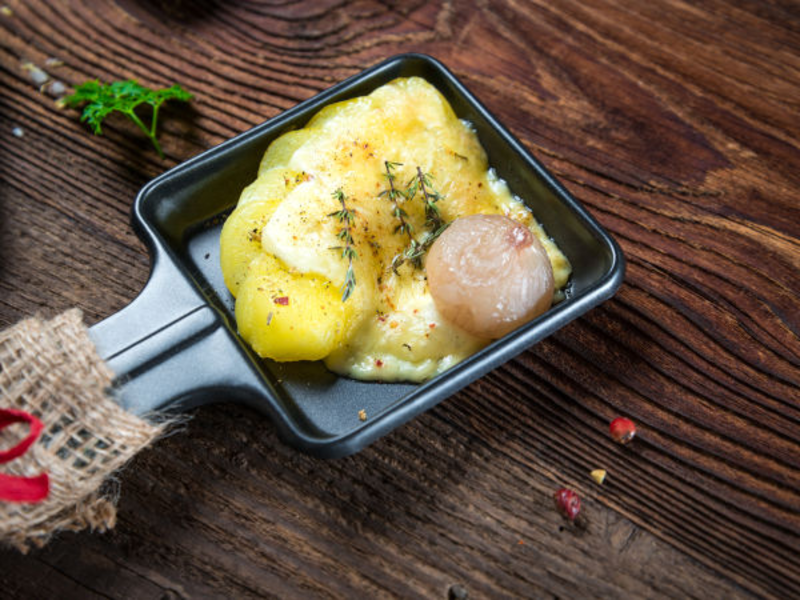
(622, 430)
(568, 503)
(283, 300)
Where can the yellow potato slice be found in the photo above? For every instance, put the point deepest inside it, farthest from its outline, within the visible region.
(240, 241)
(340, 111)
(286, 315)
(272, 184)
(280, 151)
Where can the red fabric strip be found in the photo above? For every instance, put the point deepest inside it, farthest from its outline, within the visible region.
(24, 489)
(21, 489)
(9, 416)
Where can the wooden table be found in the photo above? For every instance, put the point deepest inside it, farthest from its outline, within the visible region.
(676, 123)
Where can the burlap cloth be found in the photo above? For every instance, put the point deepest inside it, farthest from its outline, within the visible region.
(51, 370)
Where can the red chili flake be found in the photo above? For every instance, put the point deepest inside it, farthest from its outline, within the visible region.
(432, 325)
(568, 503)
(283, 300)
(622, 430)
(378, 362)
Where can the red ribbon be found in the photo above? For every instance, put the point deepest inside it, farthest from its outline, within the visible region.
(21, 489)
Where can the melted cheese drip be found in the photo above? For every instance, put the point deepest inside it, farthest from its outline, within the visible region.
(393, 330)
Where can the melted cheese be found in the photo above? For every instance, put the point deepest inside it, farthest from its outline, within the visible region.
(390, 328)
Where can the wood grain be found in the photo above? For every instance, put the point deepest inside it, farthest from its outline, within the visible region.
(675, 123)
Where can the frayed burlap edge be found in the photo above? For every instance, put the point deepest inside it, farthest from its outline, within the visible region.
(52, 370)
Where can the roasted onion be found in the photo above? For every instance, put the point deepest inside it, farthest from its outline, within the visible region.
(489, 274)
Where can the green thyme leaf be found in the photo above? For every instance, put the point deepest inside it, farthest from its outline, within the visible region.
(346, 217)
(422, 184)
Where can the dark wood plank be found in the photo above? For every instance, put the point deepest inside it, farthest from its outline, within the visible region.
(677, 127)
(226, 510)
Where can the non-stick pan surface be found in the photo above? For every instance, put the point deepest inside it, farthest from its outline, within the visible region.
(176, 346)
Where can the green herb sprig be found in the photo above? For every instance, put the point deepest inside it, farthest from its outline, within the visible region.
(404, 227)
(416, 251)
(433, 218)
(421, 183)
(346, 217)
(99, 100)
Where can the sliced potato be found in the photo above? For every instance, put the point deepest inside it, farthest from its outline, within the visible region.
(280, 151)
(273, 184)
(240, 241)
(286, 315)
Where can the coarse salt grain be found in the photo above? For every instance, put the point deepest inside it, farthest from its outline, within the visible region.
(57, 89)
(35, 74)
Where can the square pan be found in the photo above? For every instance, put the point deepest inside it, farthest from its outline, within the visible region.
(176, 346)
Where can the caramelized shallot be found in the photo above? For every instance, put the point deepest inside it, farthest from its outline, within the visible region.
(489, 274)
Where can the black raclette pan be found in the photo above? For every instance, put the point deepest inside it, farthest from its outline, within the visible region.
(175, 346)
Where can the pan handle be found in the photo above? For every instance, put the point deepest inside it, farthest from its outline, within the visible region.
(170, 349)
(166, 298)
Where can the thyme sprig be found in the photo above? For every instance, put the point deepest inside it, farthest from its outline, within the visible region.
(421, 183)
(346, 217)
(416, 251)
(403, 227)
